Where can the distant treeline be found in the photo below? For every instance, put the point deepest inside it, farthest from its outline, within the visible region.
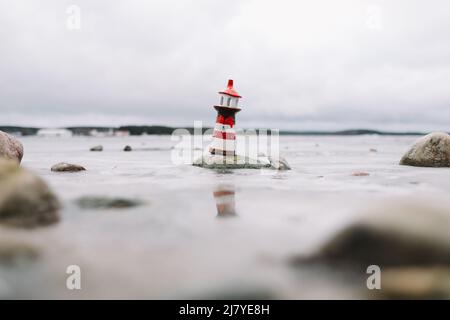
(22, 130)
(164, 130)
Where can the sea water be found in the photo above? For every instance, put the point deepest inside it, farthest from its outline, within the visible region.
(203, 233)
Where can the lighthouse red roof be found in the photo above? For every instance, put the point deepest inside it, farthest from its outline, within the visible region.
(230, 91)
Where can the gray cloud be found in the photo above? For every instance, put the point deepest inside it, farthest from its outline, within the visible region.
(298, 64)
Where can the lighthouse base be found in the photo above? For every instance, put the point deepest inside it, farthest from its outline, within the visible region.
(214, 161)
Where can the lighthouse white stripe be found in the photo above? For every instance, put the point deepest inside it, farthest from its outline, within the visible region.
(224, 199)
(223, 127)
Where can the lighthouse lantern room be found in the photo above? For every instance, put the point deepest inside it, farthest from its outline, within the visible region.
(224, 136)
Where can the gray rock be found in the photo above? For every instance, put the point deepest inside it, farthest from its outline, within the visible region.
(97, 148)
(67, 167)
(433, 150)
(279, 163)
(401, 233)
(10, 147)
(211, 161)
(25, 199)
(107, 203)
(127, 148)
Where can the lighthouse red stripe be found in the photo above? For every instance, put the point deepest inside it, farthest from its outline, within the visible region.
(224, 135)
(225, 120)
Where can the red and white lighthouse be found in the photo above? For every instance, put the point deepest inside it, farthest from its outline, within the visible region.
(224, 136)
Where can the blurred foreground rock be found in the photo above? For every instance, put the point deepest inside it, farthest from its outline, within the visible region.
(107, 203)
(10, 147)
(433, 150)
(408, 239)
(415, 283)
(25, 199)
(395, 234)
(13, 252)
(67, 167)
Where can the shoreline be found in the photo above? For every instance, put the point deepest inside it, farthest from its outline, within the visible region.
(166, 130)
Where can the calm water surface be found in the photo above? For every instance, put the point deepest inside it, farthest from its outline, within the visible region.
(204, 233)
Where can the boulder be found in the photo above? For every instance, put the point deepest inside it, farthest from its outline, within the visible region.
(400, 233)
(67, 167)
(433, 150)
(127, 148)
(25, 199)
(10, 147)
(97, 148)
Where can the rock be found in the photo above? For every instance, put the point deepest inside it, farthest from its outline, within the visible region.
(97, 148)
(415, 283)
(10, 147)
(13, 253)
(127, 148)
(433, 150)
(396, 234)
(279, 163)
(67, 167)
(107, 203)
(239, 292)
(25, 199)
(373, 150)
(212, 161)
(360, 174)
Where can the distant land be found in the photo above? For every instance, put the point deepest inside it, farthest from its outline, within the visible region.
(164, 130)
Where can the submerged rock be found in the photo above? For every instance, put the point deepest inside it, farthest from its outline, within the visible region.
(127, 148)
(212, 161)
(67, 167)
(107, 203)
(433, 150)
(97, 148)
(360, 174)
(25, 199)
(10, 147)
(396, 234)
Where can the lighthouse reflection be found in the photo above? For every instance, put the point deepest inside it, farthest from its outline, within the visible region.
(225, 200)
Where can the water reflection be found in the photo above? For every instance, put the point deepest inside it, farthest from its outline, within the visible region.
(225, 202)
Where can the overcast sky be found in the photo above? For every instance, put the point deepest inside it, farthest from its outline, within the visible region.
(297, 64)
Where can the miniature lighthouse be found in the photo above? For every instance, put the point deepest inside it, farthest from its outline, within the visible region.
(224, 136)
